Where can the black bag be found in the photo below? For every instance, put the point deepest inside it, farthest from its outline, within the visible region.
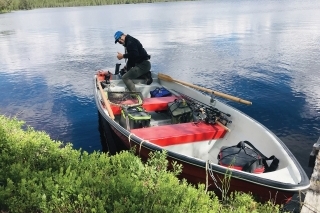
(245, 157)
(180, 111)
(134, 117)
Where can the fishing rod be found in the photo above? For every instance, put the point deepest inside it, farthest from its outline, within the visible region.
(206, 113)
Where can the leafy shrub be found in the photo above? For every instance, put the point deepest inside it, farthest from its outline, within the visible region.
(41, 175)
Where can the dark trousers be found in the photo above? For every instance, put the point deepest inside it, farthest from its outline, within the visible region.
(134, 73)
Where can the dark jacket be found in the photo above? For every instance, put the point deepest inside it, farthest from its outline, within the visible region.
(135, 53)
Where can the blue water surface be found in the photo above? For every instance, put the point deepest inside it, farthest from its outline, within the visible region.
(266, 52)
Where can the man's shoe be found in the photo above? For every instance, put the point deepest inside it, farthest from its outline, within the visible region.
(149, 81)
(148, 78)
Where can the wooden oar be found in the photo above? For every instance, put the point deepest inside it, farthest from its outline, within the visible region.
(223, 95)
(105, 100)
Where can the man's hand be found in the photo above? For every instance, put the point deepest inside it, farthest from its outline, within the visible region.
(120, 56)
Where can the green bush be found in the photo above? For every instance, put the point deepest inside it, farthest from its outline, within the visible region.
(7, 5)
(41, 175)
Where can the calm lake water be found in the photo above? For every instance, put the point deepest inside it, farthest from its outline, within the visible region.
(263, 51)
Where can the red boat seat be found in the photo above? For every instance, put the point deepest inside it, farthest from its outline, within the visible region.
(176, 134)
(149, 104)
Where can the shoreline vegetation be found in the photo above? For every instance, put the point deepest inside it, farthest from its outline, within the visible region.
(38, 174)
(11, 5)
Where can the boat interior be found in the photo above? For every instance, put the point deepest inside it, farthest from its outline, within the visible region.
(198, 139)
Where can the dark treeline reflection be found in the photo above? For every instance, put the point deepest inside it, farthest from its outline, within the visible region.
(9, 5)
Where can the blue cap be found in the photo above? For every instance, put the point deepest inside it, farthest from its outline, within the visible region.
(117, 35)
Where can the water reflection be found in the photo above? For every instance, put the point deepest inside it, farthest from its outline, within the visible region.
(266, 53)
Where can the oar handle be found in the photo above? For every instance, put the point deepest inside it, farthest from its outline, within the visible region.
(105, 100)
(223, 126)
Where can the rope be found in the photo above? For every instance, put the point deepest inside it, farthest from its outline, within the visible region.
(140, 146)
(129, 138)
(213, 178)
(207, 176)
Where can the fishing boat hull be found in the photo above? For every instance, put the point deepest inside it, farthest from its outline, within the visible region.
(196, 145)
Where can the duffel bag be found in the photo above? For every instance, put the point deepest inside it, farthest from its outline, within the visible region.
(180, 111)
(134, 118)
(245, 157)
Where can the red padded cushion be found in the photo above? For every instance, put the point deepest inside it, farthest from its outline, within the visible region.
(180, 133)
